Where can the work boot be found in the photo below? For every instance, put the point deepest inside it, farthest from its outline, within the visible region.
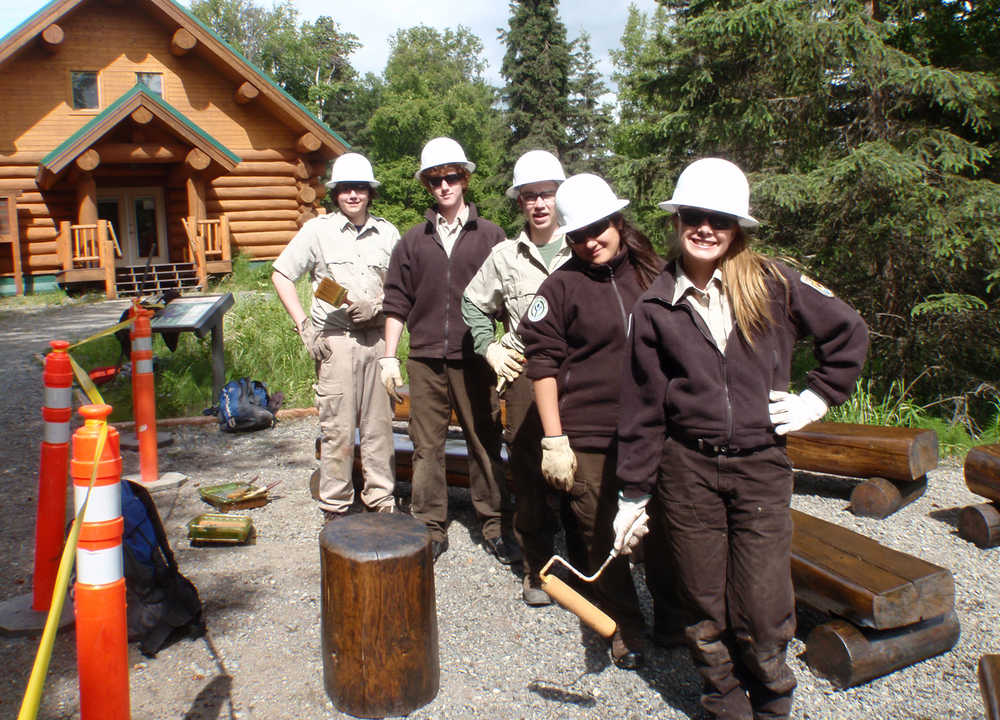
(626, 650)
(532, 593)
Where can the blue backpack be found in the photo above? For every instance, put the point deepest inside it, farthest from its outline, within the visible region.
(161, 605)
(245, 405)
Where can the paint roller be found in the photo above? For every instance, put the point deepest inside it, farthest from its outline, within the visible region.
(574, 601)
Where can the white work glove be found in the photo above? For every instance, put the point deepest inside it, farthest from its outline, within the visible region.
(506, 362)
(388, 369)
(790, 412)
(558, 462)
(631, 523)
(361, 311)
(312, 337)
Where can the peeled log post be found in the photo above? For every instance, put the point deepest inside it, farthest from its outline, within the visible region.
(307, 143)
(880, 498)
(251, 193)
(252, 180)
(225, 205)
(262, 238)
(989, 685)
(982, 471)
(980, 524)
(197, 159)
(261, 252)
(848, 656)
(379, 620)
(52, 37)
(182, 42)
(88, 160)
(246, 93)
(245, 226)
(265, 167)
(901, 454)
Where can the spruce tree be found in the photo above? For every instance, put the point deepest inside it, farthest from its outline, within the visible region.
(590, 117)
(869, 162)
(536, 67)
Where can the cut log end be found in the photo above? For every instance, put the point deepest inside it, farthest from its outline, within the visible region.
(878, 497)
(989, 685)
(980, 524)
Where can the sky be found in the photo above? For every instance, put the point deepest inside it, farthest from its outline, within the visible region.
(374, 21)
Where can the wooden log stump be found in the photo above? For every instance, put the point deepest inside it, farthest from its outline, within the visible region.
(848, 656)
(980, 524)
(989, 685)
(982, 471)
(379, 620)
(879, 497)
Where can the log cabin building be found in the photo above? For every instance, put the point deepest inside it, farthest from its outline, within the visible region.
(131, 134)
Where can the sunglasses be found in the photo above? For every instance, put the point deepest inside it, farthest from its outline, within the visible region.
(530, 198)
(717, 221)
(577, 237)
(358, 187)
(435, 180)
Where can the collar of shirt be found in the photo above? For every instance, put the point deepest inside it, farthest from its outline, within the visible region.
(683, 283)
(345, 224)
(460, 220)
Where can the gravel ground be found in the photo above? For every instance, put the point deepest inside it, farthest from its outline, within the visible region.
(261, 656)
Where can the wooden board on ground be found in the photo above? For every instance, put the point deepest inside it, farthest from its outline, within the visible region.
(901, 454)
(843, 573)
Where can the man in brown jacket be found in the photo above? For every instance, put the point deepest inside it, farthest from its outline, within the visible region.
(428, 271)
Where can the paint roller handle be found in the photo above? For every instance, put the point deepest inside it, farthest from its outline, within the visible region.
(631, 523)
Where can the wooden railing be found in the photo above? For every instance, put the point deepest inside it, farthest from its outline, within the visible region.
(89, 246)
(207, 240)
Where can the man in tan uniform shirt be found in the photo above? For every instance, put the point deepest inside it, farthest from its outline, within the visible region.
(352, 247)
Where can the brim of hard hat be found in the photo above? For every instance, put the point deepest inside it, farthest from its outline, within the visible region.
(515, 190)
(470, 166)
(371, 183)
(617, 206)
(744, 220)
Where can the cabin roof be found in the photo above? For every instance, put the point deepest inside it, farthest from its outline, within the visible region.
(220, 54)
(122, 108)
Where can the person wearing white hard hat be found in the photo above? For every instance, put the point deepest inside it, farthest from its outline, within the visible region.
(574, 333)
(706, 406)
(428, 271)
(351, 247)
(503, 288)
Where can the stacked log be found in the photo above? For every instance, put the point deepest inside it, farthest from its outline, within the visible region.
(980, 524)
(38, 215)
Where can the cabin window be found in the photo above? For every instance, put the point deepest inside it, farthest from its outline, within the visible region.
(84, 90)
(152, 80)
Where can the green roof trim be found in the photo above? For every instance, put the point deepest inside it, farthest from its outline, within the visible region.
(264, 75)
(151, 98)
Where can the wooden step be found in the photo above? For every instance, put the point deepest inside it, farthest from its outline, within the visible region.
(136, 280)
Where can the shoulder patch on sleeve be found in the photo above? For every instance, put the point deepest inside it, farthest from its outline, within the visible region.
(818, 287)
(538, 309)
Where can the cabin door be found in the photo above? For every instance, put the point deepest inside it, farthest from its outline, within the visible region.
(138, 216)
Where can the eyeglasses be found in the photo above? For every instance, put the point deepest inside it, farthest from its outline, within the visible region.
(358, 187)
(452, 178)
(530, 198)
(694, 217)
(577, 237)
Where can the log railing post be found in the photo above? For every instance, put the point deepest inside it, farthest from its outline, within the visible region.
(224, 238)
(106, 250)
(63, 249)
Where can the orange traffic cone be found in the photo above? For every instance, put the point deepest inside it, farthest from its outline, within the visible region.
(144, 395)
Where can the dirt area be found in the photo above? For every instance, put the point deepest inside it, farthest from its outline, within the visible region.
(261, 656)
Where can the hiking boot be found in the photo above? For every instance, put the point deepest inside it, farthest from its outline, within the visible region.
(532, 593)
(626, 650)
(331, 515)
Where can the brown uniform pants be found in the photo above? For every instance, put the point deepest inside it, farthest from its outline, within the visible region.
(469, 386)
(730, 531)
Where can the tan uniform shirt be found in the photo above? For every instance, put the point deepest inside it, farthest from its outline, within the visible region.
(330, 246)
(508, 280)
(711, 304)
(449, 232)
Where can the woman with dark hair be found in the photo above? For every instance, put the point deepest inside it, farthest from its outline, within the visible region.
(705, 410)
(574, 334)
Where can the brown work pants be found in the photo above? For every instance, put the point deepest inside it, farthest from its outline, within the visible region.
(730, 531)
(537, 507)
(349, 395)
(594, 501)
(468, 387)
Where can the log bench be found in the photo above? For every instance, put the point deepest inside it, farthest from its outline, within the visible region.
(989, 685)
(891, 609)
(894, 460)
(980, 524)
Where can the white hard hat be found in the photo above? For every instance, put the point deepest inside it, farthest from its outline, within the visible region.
(584, 199)
(535, 166)
(352, 168)
(443, 151)
(713, 184)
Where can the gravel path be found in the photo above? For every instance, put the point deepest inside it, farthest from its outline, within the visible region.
(499, 659)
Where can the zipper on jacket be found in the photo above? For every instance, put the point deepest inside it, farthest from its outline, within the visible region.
(729, 401)
(621, 305)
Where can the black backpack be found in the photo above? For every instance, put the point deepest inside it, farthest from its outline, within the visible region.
(161, 604)
(245, 405)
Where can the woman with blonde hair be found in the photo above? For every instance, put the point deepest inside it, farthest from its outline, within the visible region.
(705, 407)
